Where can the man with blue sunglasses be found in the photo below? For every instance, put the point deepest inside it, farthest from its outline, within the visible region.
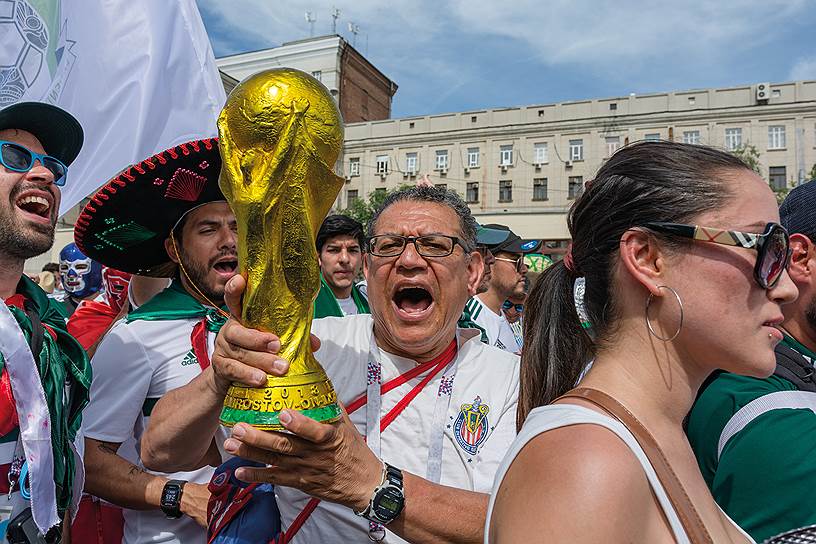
(44, 373)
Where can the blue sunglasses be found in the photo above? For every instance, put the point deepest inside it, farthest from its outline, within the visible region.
(21, 159)
(506, 305)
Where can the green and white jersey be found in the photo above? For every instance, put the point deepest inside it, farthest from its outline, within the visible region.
(496, 330)
(134, 366)
(757, 457)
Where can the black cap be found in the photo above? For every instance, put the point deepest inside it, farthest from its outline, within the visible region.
(57, 130)
(798, 211)
(513, 243)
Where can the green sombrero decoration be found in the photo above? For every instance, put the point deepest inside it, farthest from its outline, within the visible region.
(127, 221)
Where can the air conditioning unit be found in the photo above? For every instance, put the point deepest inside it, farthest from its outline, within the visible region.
(382, 176)
(568, 164)
(503, 167)
(763, 92)
(443, 171)
(348, 179)
(467, 170)
(538, 165)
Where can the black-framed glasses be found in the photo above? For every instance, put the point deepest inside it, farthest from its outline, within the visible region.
(18, 158)
(517, 263)
(772, 246)
(506, 305)
(432, 245)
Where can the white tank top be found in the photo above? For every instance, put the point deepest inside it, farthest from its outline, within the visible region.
(555, 416)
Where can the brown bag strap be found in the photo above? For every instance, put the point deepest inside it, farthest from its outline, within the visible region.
(689, 517)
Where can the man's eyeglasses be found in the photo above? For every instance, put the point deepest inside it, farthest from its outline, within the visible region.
(772, 246)
(506, 305)
(517, 263)
(392, 245)
(21, 159)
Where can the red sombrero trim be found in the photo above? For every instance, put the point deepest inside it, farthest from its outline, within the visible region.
(131, 233)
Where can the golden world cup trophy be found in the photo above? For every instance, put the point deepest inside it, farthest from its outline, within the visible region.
(280, 134)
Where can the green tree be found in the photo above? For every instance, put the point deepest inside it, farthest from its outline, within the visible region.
(363, 209)
(812, 174)
(749, 155)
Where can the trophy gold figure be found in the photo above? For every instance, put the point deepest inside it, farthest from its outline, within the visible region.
(280, 134)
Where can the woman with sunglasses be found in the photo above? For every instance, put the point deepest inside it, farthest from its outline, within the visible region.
(676, 269)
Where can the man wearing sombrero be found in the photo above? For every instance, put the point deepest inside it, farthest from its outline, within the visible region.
(44, 373)
(163, 217)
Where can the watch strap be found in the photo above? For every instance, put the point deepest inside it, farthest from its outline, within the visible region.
(392, 481)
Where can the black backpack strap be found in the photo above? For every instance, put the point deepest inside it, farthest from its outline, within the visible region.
(792, 366)
(37, 329)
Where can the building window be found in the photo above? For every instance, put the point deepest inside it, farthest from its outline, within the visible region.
(382, 164)
(691, 137)
(506, 155)
(576, 150)
(691, 100)
(776, 137)
(473, 157)
(777, 178)
(612, 145)
(443, 186)
(541, 154)
(576, 187)
(613, 106)
(442, 160)
(318, 75)
(733, 138)
(351, 197)
(776, 93)
(411, 163)
(652, 137)
(354, 166)
(472, 194)
(506, 191)
(540, 189)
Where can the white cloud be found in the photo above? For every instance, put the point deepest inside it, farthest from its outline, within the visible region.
(805, 68)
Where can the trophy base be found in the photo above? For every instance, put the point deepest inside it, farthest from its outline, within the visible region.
(311, 394)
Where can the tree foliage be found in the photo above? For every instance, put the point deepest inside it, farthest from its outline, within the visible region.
(362, 209)
(749, 155)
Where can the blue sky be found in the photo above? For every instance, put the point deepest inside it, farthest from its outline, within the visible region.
(459, 55)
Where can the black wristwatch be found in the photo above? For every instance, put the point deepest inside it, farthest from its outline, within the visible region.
(171, 498)
(388, 498)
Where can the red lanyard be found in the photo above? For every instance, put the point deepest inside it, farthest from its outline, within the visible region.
(198, 340)
(436, 365)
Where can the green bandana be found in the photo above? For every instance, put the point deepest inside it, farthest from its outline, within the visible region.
(325, 305)
(176, 303)
(59, 362)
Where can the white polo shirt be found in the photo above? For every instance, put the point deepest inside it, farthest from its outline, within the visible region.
(136, 363)
(485, 375)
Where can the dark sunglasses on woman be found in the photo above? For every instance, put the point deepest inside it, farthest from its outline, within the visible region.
(18, 158)
(772, 246)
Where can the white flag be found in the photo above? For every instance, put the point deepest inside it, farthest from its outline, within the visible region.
(139, 75)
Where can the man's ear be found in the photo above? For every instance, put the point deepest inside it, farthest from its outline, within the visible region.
(642, 258)
(476, 270)
(801, 268)
(365, 266)
(171, 251)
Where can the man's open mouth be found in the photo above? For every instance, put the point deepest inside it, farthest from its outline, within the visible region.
(35, 205)
(413, 301)
(227, 267)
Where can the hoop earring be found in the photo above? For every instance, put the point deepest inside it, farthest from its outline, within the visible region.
(649, 323)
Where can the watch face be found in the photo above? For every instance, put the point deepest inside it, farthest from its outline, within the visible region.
(388, 503)
(171, 495)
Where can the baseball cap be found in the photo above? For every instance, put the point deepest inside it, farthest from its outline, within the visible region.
(486, 236)
(513, 243)
(798, 210)
(57, 130)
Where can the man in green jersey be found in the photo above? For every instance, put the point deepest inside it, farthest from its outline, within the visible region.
(755, 438)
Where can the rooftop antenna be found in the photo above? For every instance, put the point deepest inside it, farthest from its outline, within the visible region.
(354, 29)
(311, 18)
(335, 15)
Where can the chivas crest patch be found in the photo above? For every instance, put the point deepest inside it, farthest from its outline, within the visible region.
(471, 427)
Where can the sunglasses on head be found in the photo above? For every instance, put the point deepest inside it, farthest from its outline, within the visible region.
(506, 305)
(772, 246)
(21, 159)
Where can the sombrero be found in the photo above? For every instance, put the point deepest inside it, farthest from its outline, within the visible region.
(125, 224)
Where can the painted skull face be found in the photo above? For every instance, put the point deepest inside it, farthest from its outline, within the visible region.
(116, 287)
(81, 276)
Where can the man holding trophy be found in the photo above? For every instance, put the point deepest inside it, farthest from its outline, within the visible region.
(429, 409)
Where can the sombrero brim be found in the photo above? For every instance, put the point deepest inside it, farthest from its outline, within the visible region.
(127, 221)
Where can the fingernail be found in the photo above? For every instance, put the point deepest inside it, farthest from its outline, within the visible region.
(259, 377)
(238, 431)
(273, 346)
(231, 445)
(281, 365)
(285, 418)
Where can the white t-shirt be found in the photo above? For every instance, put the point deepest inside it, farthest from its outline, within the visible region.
(347, 305)
(136, 363)
(498, 330)
(483, 372)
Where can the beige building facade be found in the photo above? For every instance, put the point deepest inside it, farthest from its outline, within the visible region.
(524, 166)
